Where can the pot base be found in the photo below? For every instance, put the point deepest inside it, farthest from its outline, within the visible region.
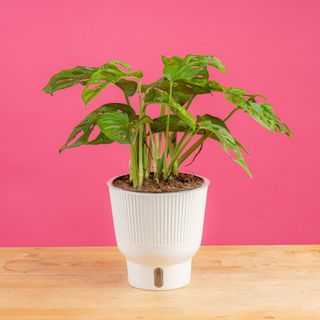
(165, 277)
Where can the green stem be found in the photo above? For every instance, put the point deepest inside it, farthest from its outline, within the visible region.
(127, 98)
(159, 158)
(134, 169)
(180, 147)
(174, 134)
(189, 102)
(155, 155)
(231, 113)
(146, 155)
(166, 149)
(193, 148)
(140, 159)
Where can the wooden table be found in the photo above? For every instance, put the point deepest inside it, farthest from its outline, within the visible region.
(236, 282)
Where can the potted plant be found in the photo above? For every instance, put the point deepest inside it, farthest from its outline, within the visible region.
(158, 211)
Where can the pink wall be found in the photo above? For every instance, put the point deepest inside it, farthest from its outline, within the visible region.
(271, 47)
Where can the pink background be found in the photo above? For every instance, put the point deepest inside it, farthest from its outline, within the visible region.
(270, 47)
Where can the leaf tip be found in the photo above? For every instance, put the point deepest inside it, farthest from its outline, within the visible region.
(62, 149)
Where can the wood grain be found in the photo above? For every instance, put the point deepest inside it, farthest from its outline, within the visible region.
(236, 282)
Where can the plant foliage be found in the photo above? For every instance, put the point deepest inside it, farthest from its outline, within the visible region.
(164, 143)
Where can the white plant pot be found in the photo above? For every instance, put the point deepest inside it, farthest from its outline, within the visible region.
(158, 233)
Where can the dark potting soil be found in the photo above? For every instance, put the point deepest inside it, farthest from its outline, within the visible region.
(183, 181)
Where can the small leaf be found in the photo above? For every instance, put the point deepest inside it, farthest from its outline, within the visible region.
(127, 86)
(175, 125)
(189, 67)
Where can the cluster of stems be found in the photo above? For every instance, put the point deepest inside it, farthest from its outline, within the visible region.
(163, 152)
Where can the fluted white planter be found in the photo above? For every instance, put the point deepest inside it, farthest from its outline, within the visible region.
(158, 233)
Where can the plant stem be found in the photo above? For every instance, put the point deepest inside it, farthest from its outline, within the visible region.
(177, 153)
(140, 158)
(155, 155)
(146, 154)
(231, 113)
(166, 149)
(127, 98)
(193, 148)
(189, 102)
(134, 171)
(159, 158)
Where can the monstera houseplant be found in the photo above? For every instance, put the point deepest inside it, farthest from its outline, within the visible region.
(158, 211)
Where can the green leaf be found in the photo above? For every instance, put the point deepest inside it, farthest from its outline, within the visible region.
(68, 78)
(207, 60)
(157, 96)
(218, 128)
(261, 112)
(109, 74)
(117, 127)
(189, 67)
(127, 86)
(183, 114)
(182, 92)
(81, 75)
(175, 125)
(80, 135)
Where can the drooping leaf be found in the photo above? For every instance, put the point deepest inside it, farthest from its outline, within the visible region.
(189, 67)
(80, 135)
(109, 74)
(261, 112)
(81, 75)
(68, 78)
(221, 133)
(157, 96)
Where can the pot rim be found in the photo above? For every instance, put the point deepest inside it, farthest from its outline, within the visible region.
(205, 184)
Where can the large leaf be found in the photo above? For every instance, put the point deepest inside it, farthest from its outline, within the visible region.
(261, 112)
(118, 126)
(109, 74)
(218, 128)
(81, 75)
(155, 95)
(68, 78)
(189, 67)
(80, 135)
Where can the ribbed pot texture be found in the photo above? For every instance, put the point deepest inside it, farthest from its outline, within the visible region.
(158, 233)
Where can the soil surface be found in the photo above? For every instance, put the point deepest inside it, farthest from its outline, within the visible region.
(183, 181)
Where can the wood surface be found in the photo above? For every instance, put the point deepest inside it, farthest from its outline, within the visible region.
(234, 282)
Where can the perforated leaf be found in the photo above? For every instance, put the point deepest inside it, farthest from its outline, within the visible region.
(81, 134)
(109, 74)
(229, 144)
(157, 96)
